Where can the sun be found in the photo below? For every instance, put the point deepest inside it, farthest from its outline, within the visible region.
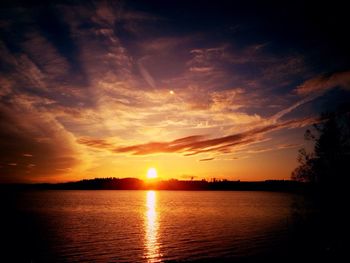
(151, 173)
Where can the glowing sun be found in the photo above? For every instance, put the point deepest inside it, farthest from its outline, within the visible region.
(151, 173)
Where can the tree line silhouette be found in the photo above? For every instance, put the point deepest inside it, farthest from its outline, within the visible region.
(112, 183)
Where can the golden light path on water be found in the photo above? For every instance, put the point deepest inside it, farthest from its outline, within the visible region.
(151, 228)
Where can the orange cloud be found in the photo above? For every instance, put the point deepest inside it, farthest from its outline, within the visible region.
(97, 143)
(196, 144)
(323, 83)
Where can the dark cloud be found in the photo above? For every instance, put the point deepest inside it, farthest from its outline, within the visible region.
(206, 159)
(33, 146)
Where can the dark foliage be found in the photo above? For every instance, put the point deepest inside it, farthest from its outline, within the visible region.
(328, 164)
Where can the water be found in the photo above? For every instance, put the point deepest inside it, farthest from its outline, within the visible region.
(150, 226)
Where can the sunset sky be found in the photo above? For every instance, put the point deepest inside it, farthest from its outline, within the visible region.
(194, 89)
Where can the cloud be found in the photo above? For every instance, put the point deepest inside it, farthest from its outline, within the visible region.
(104, 13)
(323, 83)
(50, 63)
(35, 144)
(145, 74)
(314, 88)
(228, 147)
(273, 148)
(96, 143)
(201, 69)
(285, 111)
(178, 145)
(206, 159)
(196, 144)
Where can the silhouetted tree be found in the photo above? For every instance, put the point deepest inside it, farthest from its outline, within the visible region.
(328, 164)
(305, 172)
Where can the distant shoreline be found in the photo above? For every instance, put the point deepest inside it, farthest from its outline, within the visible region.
(172, 184)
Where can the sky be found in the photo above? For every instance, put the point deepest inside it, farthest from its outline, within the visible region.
(195, 89)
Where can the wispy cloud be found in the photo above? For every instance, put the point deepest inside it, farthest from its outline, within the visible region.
(201, 69)
(25, 129)
(197, 144)
(145, 74)
(314, 88)
(320, 84)
(206, 159)
(96, 143)
(272, 148)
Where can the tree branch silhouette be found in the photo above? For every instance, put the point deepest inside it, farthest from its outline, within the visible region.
(328, 164)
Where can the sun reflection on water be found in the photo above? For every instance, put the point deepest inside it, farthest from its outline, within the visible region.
(151, 229)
